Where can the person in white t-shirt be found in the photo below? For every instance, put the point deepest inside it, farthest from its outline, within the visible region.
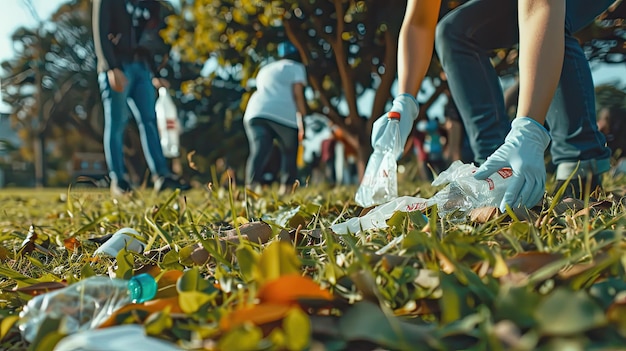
(274, 113)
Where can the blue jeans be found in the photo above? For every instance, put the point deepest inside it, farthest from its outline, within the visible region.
(139, 98)
(464, 40)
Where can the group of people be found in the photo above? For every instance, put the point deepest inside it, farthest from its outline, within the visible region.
(556, 105)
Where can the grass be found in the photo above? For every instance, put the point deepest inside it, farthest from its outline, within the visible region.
(550, 281)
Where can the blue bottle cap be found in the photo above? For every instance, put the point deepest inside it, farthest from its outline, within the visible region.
(142, 287)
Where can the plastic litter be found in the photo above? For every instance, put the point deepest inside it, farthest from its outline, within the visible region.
(86, 304)
(380, 180)
(124, 237)
(168, 124)
(462, 194)
(118, 338)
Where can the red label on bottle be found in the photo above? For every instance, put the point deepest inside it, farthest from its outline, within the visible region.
(170, 124)
(505, 172)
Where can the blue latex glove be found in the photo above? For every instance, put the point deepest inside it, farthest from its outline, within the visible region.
(406, 105)
(523, 151)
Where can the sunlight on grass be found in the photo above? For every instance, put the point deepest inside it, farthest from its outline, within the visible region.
(499, 282)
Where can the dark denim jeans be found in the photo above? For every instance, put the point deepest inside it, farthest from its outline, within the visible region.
(466, 36)
(139, 98)
(261, 133)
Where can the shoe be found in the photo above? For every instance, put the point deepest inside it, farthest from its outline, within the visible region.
(120, 187)
(575, 188)
(170, 182)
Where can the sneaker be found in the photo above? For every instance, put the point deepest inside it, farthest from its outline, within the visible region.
(170, 182)
(575, 188)
(120, 187)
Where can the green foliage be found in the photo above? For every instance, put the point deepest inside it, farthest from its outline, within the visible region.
(497, 284)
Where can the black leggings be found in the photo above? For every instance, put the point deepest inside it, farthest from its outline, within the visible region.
(261, 134)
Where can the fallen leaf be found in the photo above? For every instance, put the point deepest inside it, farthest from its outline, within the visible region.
(255, 314)
(483, 214)
(288, 289)
(40, 288)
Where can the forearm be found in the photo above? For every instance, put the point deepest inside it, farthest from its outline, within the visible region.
(415, 44)
(101, 17)
(541, 47)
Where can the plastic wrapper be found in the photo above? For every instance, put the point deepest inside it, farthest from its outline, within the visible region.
(462, 194)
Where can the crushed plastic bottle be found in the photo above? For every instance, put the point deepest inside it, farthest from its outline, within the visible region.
(462, 194)
(465, 193)
(380, 180)
(125, 237)
(167, 123)
(86, 304)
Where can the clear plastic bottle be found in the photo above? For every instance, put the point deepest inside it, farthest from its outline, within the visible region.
(167, 122)
(380, 180)
(465, 193)
(86, 304)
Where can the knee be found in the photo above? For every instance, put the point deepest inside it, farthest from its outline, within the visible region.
(447, 34)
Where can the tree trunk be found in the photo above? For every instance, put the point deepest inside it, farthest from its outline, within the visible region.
(39, 142)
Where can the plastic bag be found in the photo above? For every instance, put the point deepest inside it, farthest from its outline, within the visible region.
(380, 180)
(462, 194)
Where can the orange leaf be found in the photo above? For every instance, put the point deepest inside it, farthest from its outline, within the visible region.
(288, 289)
(71, 244)
(167, 284)
(256, 314)
(151, 306)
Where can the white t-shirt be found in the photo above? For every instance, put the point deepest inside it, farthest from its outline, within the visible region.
(274, 99)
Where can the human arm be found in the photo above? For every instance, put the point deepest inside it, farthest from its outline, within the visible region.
(415, 43)
(104, 41)
(298, 94)
(541, 27)
(415, 48)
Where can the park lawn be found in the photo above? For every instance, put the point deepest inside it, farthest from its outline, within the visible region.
(245, 271)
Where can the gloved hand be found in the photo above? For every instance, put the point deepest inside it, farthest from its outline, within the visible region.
(406, 105)
(523, 151)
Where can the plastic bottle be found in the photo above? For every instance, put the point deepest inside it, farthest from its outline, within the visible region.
(380, 181)
(167, 122)
(464, 193)
(86, 304)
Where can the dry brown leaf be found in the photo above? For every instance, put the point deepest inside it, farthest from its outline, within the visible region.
(529, 262)
(483, 214)
(40, 288)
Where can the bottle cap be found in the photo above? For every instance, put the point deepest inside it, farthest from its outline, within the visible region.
(393, 114)
(142, 287)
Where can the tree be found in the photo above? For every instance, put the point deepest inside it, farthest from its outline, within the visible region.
(51, 84)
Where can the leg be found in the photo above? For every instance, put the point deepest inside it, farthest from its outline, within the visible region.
(115, 119)
(572, 114)
(464, 40)
(288, 141)
(143, 97)
(260, 142)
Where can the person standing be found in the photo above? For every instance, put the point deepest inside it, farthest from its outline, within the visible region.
(126, 70)
(275, 112)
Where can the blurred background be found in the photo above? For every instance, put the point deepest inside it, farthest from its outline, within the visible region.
(51, 122)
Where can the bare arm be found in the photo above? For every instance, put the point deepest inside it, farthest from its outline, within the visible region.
(415, 44)
(541, 28)
(298, 94)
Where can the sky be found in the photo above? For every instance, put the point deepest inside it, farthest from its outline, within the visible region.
(15, 13)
